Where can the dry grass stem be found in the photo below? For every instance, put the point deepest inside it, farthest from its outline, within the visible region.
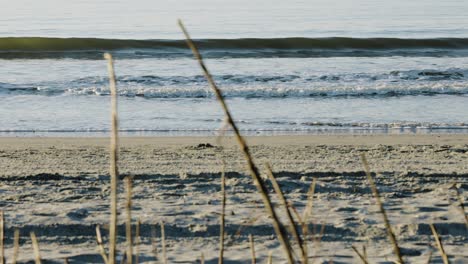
(364, 251)
(376, 194)
(35, 244)
(270, 258)
(429, 258)
(308, 213)
(278, 227)
(318, 237)
(439, 245)
(154, 243)
(137, 240)
(2, 238)
(15, 246)
(363, 257)
(296, 214)
(124, 256)
(310, 201)
(304, 228)
(163, 242)
(128, 222)
(114, 173)
(101, 249)
(223, 215)
(462, 206)
(202, 258)
(284, 202)
(252, 249)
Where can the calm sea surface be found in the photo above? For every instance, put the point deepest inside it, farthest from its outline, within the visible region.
(285, 67)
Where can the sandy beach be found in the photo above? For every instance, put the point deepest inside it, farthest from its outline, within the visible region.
(59, 188)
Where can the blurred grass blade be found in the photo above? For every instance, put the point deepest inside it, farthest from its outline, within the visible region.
(390, 233)
(259, 183)
(114, 173)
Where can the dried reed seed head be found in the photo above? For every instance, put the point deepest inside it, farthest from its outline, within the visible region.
(107, 56)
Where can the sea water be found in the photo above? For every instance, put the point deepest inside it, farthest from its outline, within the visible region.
(285, 67)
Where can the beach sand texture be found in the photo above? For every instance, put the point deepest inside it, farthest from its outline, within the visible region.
(59, 188)
(303, 68)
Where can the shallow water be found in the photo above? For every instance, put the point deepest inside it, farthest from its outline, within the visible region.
(314, 67)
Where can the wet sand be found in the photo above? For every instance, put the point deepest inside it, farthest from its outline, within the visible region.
(59, 187)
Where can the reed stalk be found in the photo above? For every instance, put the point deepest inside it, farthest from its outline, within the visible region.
(364, 251)
(100, 244)
(270, 258)
(439, 244)
(258, 181)
(462, 206)
(128, 222)
(252, 249)
(123, 260)
(137, 241)
(114, 172)
(310, 201)
(35, 244)
(202, 258)
(223, 215)
(362, 256)
(307, 214)
(298, 217)
(154, 243)
(2, 238)
(15, 246)
(163, 242)
(429, 258)
(388, 227)
(284, 202)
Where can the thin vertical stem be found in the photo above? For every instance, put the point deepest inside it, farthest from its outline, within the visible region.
(439, 245)
(252, 249)
(292, 224)
(154, 244)
(137, 241)
(462, 206)
(270, 258)
(163, 242)
(202, 258)
(2, 238)
(223, 215)
(102, 251)
(128, 222)
(310, 201)
(429, 258)
(390, 233)
(114, 173)
(307, 214)
(15, 246)
(35, 244)
(259, 183)
(361, 256)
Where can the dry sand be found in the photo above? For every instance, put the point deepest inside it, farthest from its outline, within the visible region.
(59, 187)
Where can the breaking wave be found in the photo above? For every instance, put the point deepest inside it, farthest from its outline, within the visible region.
(451, 81)
(92, 48)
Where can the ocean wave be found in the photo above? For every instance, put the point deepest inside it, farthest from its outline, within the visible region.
(393, 83)
(393, 125)
(260, 91)
(92, 48)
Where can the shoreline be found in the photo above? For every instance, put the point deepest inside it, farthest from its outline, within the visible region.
(316, 139)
